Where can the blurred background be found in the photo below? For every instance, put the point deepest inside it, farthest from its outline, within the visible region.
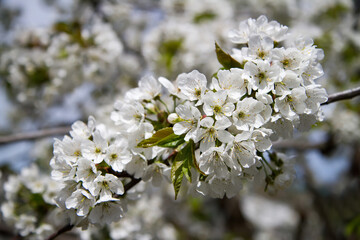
(63, 60)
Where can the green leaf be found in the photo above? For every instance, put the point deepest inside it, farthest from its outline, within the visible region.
(225, 59)
(163, 138)
(176, 176)
(171, 141)
(181, 166)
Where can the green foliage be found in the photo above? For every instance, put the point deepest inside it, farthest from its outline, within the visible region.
(225, 59)
(350, 52)
(336, 11)
(353, 228)
(325, 42)
(30, 203)
(204, 17)
(168, 50)
(38, 76)
(197, 209)
(73, 29)
(163, 138)
(181, 166)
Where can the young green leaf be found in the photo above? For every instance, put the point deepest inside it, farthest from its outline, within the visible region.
(225, 59)
(163, 138)
(181, 166)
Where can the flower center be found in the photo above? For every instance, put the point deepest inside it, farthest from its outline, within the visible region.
(241, 115)
(197, 92)
(217, 109)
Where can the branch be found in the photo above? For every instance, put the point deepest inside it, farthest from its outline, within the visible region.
(34, 135)
(347, 94)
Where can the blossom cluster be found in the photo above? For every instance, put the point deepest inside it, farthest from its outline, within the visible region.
(174, 46)
(83, 162)
(217, 133)
(49, 62)
(29, 204)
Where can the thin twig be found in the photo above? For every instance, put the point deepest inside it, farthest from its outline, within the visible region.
(131, 184)
(64, 229)
(347, 94)
(34, 135)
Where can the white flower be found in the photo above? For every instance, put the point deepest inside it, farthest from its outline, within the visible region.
(215, 104)
(192, 85)
(82, 131)
(210, 133)
(69, 149)
(315, 96)
(287, 175)
(240, 35)
(145, 130)
(80, 200)
(44, 230)
(232, 81)
(148, 89)
(12, 186)
(261, 139)
(289, 58)
(107, 212)
(95, 149)
(289, 81)
(311, 73)
(261, 27)
(61, 169)
(263, 75)
(106, 186)
(26, 224)
(215, 161)
(128, 115)
(137, 166)
(282, 128)
(218, 187)
(8, 210)
(32, 179)
(248, 114)
(242, 149)
(188, 122)
(117, 155)
(86, 172)
(260, 47)
(172, 88)
(156, 172)
(291, 103)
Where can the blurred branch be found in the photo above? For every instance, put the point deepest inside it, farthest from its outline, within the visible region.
(300, 146)
(34, 135)
(326, 146)
(347, 94)
(63, 130)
